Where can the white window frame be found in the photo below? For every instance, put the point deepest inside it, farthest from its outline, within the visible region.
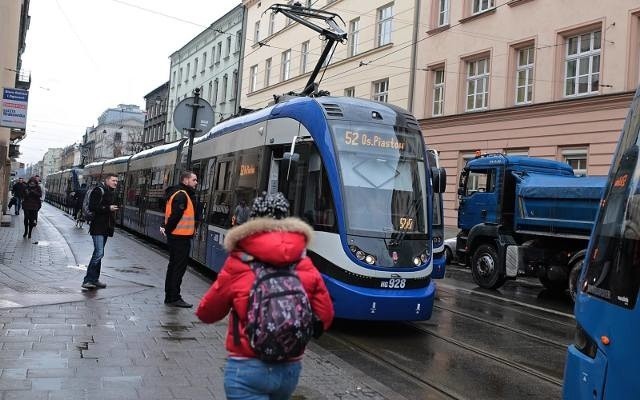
(285, 71)
(204, 62)
(186, 78)
(256, 32)
(443, 12)
(350, 91)
(267, 71)
(525, 60)
(253, 78)
(576, 154)
(213, 56)
(480, 6)
(354, 36)
(437, 104)
(272, 24)
(380, 90)
(195, 68)
(225, 87)
(384, 24)
(477, 72)
(517, 152)
(590, 56)
(214, 98)
(234, 84)
(219, 53)
(210, 91)
(304, 56)
(238, 41)
(228, 52)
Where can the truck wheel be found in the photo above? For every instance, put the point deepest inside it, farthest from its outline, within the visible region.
(574, 276)
(486, 269)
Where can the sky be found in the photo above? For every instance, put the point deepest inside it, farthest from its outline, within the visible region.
(89, 55)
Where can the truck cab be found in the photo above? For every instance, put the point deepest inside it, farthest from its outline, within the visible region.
(512, 211)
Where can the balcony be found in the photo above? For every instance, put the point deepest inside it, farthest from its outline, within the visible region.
(18, 134)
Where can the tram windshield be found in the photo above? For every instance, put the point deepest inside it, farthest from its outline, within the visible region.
(613, 270)
(383, 178)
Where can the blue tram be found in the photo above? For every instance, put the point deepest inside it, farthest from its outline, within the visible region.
(356, 170)
(437, 222)
(603, 362)
(60, 186)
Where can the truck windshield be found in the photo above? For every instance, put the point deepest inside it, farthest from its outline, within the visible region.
(613, 267)
(383, 179)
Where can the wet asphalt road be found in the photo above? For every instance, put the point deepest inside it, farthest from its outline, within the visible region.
(507, 344)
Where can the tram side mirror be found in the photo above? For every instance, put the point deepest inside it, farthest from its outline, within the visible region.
(439, 179)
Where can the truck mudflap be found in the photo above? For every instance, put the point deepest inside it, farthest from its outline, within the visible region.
(514, 261)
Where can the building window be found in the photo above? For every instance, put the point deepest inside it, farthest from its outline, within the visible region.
(272, 24)
(286, 66)
(238, 41)
(517, 152)
(443, 12)
(234, 85)
(477, 84)
(256, 32)
(354, 36)
(582, 67)
(213, 56)
(381, 90)
(438, 92)
(577, 159)
(350, 92)
(482, 5)
(173, 81)
(210, 91)
(204, 62)
(524, 76)
(253, 78)
(180, 76)
(219, 53)
(186, 78)
(304, 56)
(215, 93)
(384, 19)
(228, 52)
(223, 95)
(267, 72)
(195, 68)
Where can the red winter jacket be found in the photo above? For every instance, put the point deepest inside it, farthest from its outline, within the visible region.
(275, 242)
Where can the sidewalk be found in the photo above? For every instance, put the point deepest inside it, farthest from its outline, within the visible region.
(59, 342)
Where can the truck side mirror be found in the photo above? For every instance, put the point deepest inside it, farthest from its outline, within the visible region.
(439, 179)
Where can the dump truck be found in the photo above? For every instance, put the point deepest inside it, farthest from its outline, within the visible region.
(525, 216)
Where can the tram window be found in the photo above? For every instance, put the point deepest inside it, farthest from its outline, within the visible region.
(219, 214)
(613, 272)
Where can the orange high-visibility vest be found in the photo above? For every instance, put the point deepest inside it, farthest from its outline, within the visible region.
(187, 224)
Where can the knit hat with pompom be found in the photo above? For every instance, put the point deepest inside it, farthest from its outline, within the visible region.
(270, 205)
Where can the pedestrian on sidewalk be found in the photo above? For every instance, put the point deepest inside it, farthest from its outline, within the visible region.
(273, 239)
(101, 227)
(17, 190)
(31, 203)
(78, 199)
(179, 228)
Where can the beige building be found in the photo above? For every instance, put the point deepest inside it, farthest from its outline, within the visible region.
(280, 54)
(545, 78)
(14, 22)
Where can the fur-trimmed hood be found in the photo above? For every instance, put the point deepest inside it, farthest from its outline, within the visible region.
(276, 241)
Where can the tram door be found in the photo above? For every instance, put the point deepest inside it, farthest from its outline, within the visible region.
(204, 171)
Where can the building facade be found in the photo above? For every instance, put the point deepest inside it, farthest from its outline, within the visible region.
(537, 77)
(118, 133)
(51, 162)
(70, 157)
(281, 54)
(155, 120)
(211, 62)
(14, 22)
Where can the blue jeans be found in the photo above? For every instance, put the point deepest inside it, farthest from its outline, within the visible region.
(93, 269)
(252, 379)
(18, 205)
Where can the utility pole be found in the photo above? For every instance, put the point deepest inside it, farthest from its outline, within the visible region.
(192, 130)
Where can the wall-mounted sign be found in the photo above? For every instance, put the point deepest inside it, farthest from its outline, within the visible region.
(14, 108)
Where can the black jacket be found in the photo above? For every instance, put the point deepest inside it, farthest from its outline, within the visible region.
(18, 189)
(104, 221)
(32, 196)
(178, 207)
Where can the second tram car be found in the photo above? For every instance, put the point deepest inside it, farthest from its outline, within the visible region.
(355, 170)
(603, 362)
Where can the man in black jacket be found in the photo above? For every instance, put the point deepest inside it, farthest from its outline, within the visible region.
(18, 192)
(101, 227)
(179, 228)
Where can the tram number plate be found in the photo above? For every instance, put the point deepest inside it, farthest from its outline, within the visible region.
(394, 283)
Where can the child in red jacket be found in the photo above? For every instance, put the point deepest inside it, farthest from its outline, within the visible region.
(279, 241)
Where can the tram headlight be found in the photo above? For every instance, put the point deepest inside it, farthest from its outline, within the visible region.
(369, 259)
(360, 255)
(353, 249)
(423, 258)
(416, 261)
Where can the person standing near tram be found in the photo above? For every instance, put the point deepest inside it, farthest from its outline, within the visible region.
(179, 228)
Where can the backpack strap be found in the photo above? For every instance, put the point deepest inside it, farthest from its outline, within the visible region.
(236, 328)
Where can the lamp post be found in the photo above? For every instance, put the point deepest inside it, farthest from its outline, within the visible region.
(192, 130)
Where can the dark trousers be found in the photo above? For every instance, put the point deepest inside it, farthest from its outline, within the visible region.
(30, 220)
(179, 249)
